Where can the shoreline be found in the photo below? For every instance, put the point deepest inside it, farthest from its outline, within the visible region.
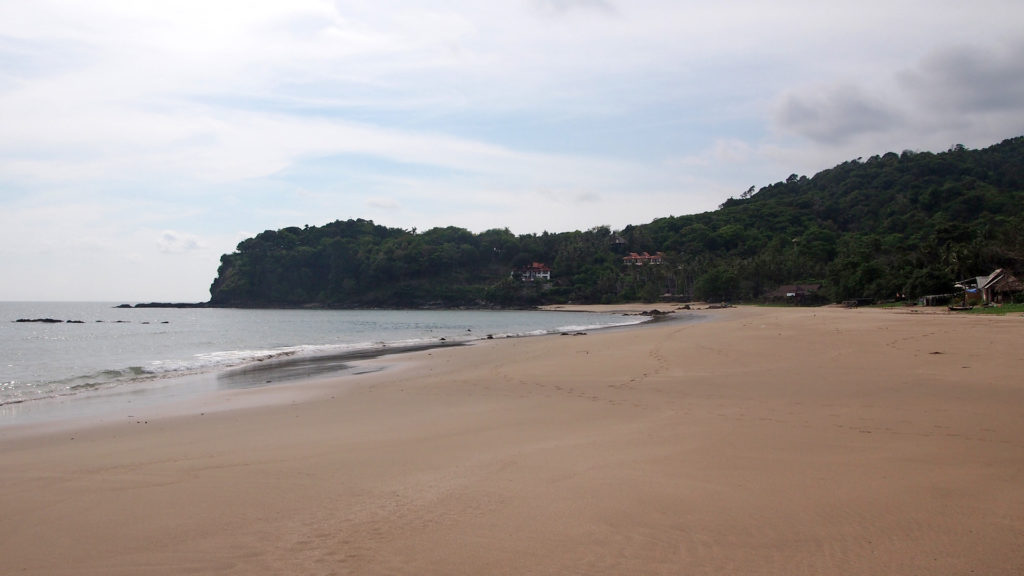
(170, 395)
(769, 441)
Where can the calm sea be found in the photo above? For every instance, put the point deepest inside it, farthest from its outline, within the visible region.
(106, 348)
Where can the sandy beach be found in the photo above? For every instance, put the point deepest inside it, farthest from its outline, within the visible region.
(763, 441)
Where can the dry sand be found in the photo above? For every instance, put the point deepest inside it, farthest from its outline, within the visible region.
(767, 441)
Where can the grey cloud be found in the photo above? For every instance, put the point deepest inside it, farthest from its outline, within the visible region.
(969, 79)
(965, 92)
(834, 116)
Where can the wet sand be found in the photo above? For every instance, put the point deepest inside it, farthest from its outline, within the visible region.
(767, 441)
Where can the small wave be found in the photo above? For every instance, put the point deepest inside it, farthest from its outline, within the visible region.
(85, 386)
(13, 393)
(103, 379)
(632, 321)
(115, 374)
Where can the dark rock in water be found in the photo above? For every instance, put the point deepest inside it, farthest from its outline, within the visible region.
(166, 305)
(43, 320)
(75, 322)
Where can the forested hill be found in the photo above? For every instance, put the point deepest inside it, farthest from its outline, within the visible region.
(909, 223)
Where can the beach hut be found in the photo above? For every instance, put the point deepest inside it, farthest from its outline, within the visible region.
(1000, 286)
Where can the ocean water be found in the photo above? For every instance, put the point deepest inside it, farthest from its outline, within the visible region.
(107, 348)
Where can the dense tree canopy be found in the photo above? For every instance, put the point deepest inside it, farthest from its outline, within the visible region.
(908, 224)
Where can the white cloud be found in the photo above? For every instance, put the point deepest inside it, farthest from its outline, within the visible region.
(563, 6)
(176, 242)
(386, 204)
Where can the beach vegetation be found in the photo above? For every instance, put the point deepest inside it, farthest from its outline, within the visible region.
(1001, 310)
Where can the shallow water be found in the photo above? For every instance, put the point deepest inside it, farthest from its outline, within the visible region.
(107, 348)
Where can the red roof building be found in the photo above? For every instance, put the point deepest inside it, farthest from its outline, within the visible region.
(642, 259)
(535, 271)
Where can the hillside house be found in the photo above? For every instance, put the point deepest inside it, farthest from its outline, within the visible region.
(643, 259)
(535, 271)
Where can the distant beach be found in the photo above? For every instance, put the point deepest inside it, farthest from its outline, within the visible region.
(765, 441)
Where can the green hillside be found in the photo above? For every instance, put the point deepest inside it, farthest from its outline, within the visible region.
(908, 224)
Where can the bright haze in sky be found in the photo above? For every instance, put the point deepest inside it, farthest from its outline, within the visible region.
(140, 140)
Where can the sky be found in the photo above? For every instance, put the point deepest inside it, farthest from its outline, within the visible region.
(141, 140)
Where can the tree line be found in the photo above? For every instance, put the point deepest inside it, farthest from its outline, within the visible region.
(894, 225)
